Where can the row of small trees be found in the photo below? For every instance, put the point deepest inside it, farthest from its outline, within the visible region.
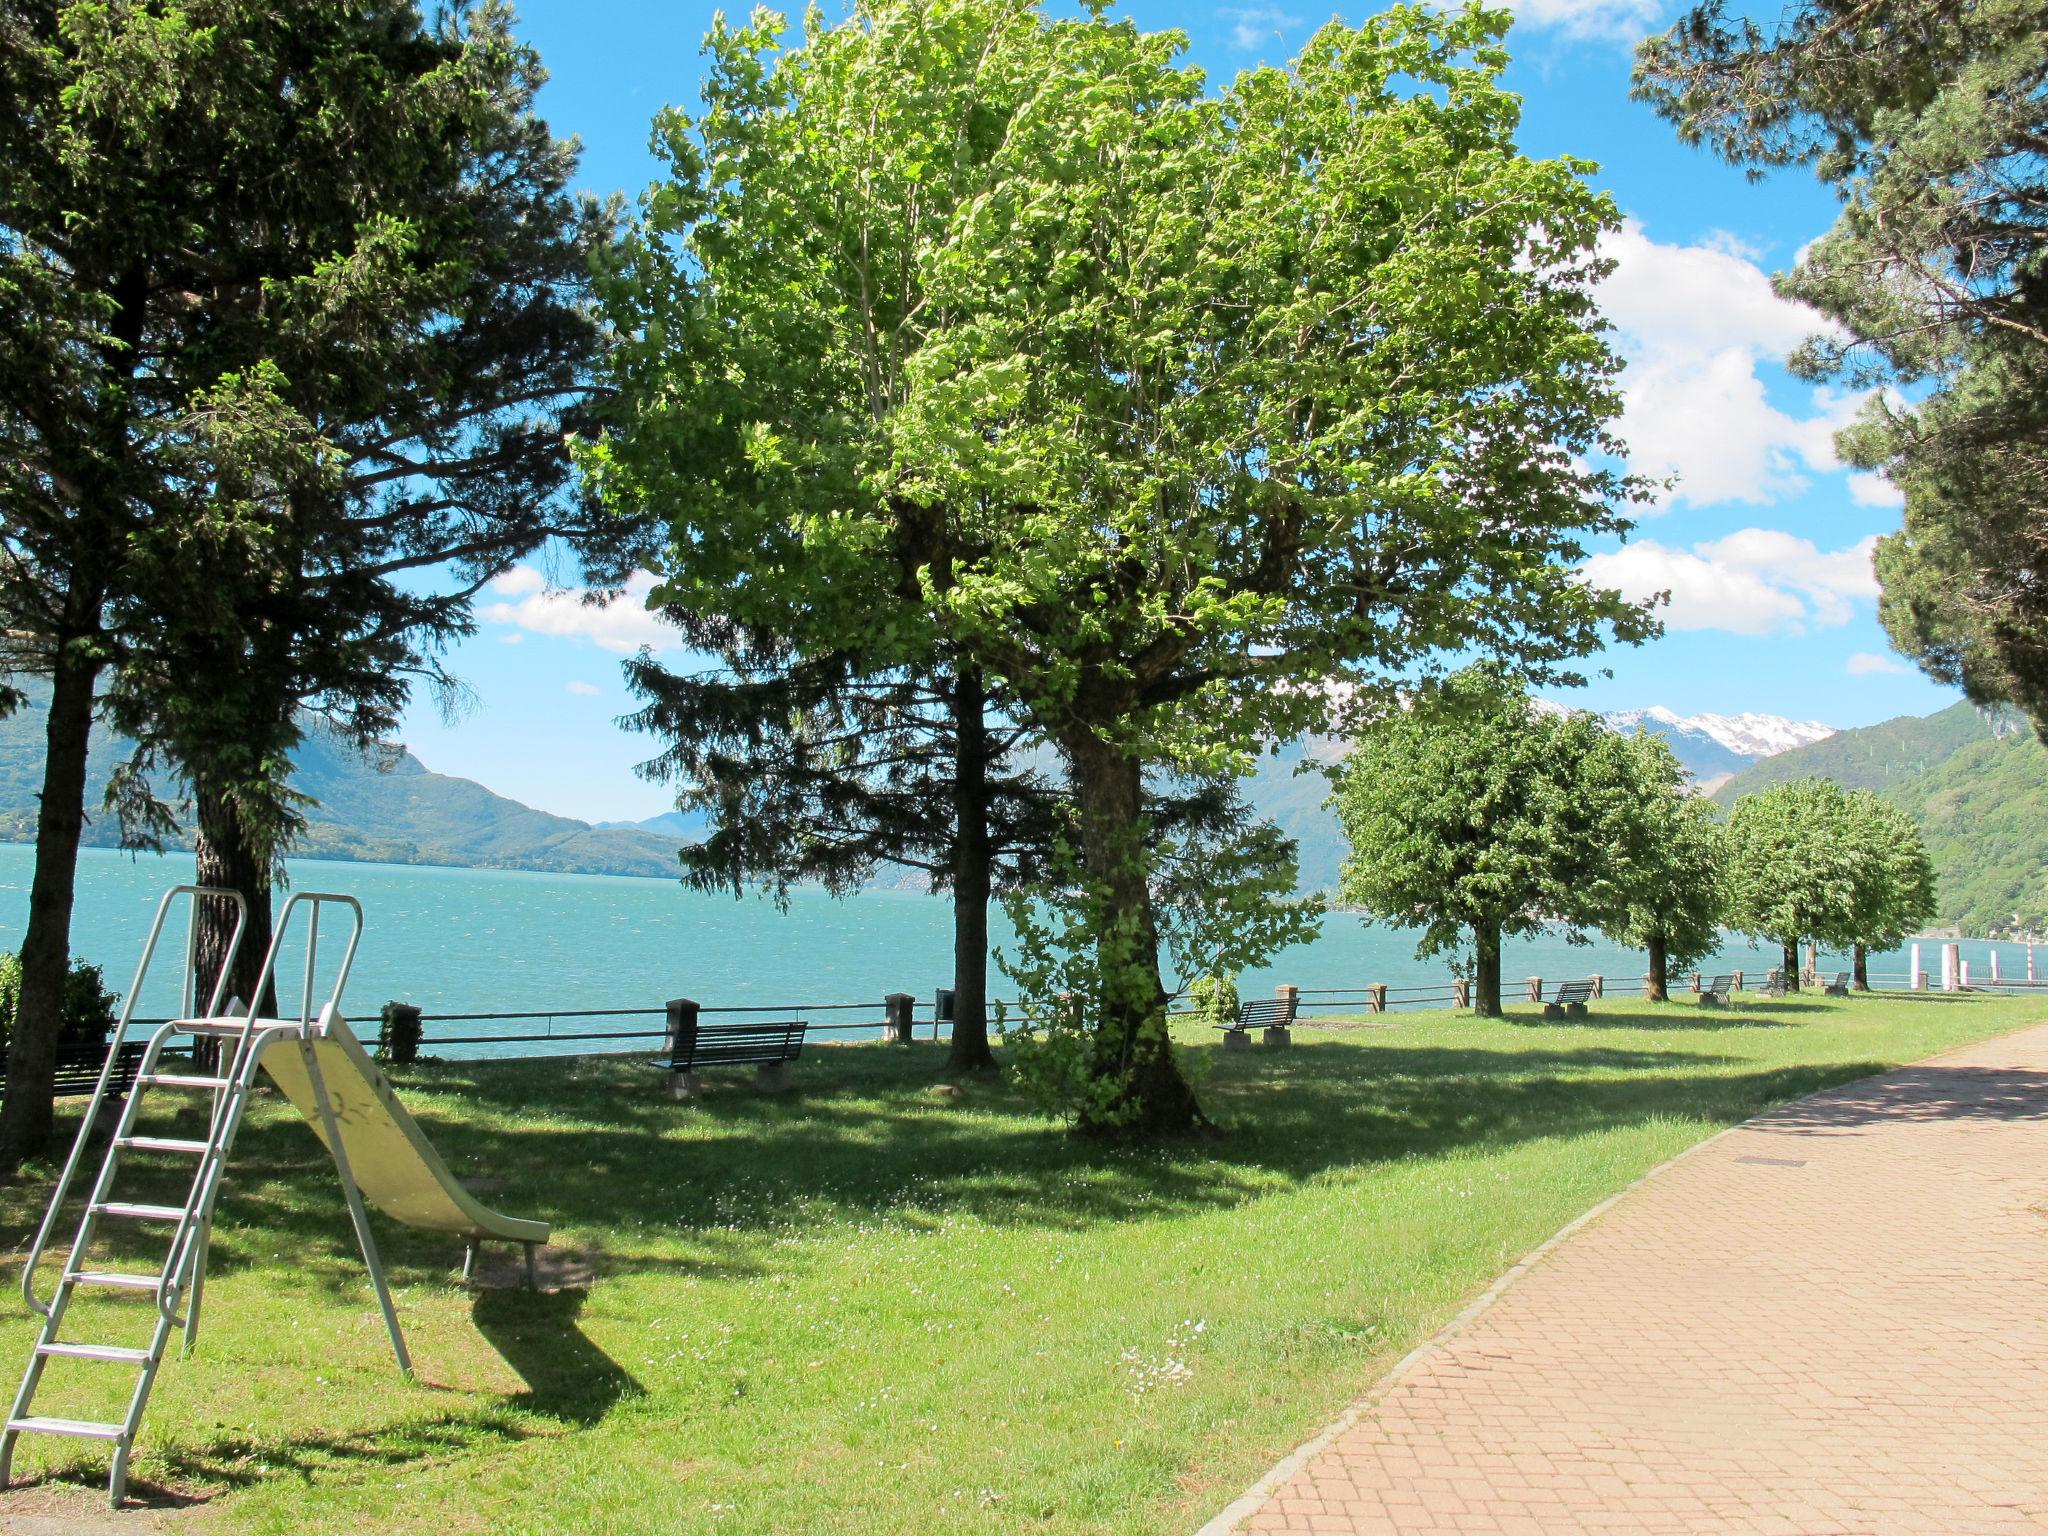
(1477, 816)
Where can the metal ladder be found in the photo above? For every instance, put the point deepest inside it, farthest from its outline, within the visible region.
(243, 1036)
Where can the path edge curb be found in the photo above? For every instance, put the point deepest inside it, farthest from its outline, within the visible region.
(1232, 1516)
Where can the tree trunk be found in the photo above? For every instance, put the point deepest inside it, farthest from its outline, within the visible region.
(1133, 1052)
(26, 1117)
(1861, 960)
(1486, 973)
(970, 1050)
(1659, 988)
(230, 858)
(1791, 971)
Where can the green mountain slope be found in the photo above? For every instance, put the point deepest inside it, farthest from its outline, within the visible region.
(1978, 785)
(387, 810)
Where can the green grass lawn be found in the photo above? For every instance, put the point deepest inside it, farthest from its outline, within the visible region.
(871, 1305)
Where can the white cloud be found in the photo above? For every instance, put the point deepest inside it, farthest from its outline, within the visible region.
(519, 581)
(623, 624)
(1695, 322)
(514, 638)
(1620, 20)
(1875, 491)
(584, 690)
(1755, 582)
(1867, 663)
(1253, 27)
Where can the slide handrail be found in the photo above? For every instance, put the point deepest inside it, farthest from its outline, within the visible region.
(187, 990)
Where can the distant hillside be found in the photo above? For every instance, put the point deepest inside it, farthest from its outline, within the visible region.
(384, 810)
(1977, 784)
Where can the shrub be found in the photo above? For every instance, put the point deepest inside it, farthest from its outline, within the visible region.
(1214, 999)
(398, 1042)
(89, 1008)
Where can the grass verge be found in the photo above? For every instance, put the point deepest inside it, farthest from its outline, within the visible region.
(877, 1303)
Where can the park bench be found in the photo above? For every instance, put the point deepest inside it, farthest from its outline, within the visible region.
(1571, 999)
(1716, 990)
(1271, 1015)
(78, 1068)
(1839, 987)
(765, 1045)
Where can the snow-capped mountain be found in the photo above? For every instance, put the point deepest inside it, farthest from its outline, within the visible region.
(1711, 747)
(1748, 735)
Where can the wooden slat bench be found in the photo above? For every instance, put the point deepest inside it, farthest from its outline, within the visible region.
(765, 1045)
(1270, 1015)
(1571, 1000)
(1839, 987)
(78, 1068)
(1716, 990)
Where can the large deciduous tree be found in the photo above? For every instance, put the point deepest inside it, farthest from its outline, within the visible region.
(1792, 868)
(1894, 886)
(289, 317)
(1928, 118)
(1664, 856)
(1001, 338)
(1473, 816)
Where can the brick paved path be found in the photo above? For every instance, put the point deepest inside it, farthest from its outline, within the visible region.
(1831, 1319)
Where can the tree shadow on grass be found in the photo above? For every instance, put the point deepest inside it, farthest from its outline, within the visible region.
(599, 1146)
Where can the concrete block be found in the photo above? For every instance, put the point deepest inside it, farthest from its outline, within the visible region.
(1277, 1034)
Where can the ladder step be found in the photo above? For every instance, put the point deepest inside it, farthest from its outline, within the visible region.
(159, 1144)
(136, 1212)
(119, 1353)
(83, 1428)
(116, 1281)
(178, 1080)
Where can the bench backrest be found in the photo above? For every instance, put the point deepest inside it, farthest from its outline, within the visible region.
(1267, 1012)
(1722, 983)
(709, 1044)
(78, 1067)
(1841, 979)
(1575, 992)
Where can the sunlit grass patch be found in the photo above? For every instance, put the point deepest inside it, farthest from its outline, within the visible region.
(861, 1305)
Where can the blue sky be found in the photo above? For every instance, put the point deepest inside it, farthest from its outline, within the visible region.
(1764, 542)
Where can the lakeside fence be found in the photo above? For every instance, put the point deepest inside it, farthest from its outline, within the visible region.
(572, 1032)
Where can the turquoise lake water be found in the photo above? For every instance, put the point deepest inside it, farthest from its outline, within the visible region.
(475, 941)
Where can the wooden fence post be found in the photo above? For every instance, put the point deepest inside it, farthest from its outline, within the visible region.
(1535, 989)
(896, 1011)
(1376, 997)
(1695, 983)
(1461, 994)
(1599, 987)
(1736, 984)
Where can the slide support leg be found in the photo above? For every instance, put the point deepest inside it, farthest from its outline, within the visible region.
(357, 1214)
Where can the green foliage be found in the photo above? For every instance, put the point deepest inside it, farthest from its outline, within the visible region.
(1662, 885)
(89, 1014)
(1793, 870)
(398, 1035)
(1473, 813)
(930, 346)
(1927, 118)
(1214, 999)
(1894, 896)
(1976, 788)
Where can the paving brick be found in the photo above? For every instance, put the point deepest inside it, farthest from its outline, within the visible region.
(1832, 1319)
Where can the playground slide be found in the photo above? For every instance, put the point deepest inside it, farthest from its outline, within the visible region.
(395, 1166)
